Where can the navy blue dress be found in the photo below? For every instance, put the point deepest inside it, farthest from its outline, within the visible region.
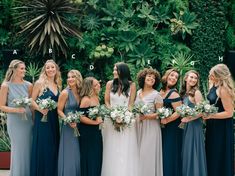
(193, 149)
(69, 151)
(172, 142)
(219, 141)
(91, 148)
(45, 145)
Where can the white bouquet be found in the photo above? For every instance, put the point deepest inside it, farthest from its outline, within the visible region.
(22, 102)
(163, 113)
(73, 117)
(141, 108)
(206, 108)
(93, 113)
(47, 103)
(121, 118)
(185, 111)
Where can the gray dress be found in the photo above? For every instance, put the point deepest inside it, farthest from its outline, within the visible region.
(193, 147)
(20, 131)
(69, 151)
(150, 139)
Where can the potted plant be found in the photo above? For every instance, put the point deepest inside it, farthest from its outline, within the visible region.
(5, 145)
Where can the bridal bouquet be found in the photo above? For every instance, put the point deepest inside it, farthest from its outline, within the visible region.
(47, 103)
(185, 111)
(163, 113)
(205, 108)
(121, 118)
(22, 102)
(141, 108)
(73, 117)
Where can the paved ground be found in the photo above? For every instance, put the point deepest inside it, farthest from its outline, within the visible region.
(4, 172)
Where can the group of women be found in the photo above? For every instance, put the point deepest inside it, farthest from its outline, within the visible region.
(144, 149)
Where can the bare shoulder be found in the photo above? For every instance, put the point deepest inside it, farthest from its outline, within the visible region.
(64, 93)
(38, 84)
(174, 95)
(198, 93)
(4, 86)
(85, 102)
(109, 83)
(223, 93)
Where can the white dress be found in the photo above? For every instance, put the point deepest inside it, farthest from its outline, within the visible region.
(120, 153)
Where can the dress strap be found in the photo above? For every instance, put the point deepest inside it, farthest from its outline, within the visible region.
(170, 92)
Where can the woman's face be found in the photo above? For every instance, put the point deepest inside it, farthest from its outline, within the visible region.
(71, 79)
(50, 69)
(20, 70)
(172, 79)
(115, 72)
(212, 77)
(191, 79)
(96, 86)
(150, 80)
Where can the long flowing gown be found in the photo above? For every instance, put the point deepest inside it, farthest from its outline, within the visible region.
(20, 131)
(120, 152)
(150, 138)
(193, 148)
(45, 146)
(219, 141)
(69, 150)
(172, 142)
(91, 148)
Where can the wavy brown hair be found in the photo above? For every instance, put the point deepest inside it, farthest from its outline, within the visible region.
(87, 87)
(193, 89)
(78, 77)
(12, 69)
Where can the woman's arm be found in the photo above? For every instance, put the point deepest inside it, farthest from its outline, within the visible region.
(61, 103)
(3, 101)
(228, 106)
(85, 103)
(107, 94)
(132, 95)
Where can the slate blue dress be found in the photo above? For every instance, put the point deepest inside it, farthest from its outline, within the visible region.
(69, 150)
(45, 146)
(193, 149)
(91, 148)
(219, 141)
(172, 142)
(20, 131)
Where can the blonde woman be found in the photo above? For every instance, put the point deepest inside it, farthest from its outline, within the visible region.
(69, 151)
(20, 131)
(91, 139)
(219, 126)
(46, 134)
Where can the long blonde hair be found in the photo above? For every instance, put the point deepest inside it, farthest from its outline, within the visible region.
(43, 79)
(12, 70)
(78, 77)
(223, 75)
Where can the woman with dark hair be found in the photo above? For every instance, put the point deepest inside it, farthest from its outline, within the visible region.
(148, 128)
(171, 133)
(219, 126)
(193, 147)
(90, 134)
(120, 148)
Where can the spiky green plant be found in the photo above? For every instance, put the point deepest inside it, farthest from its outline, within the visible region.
(183, 63)
(33, 71)
(46, 23)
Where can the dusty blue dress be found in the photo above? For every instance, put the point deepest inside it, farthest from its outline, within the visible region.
(219, 141)
(193, 149)
(69, 151)
(20, 131)
(45, 141)
(91, 148)
(172, 142)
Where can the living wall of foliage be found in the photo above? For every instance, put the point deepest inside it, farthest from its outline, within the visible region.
(208, 41)
(157, 33)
